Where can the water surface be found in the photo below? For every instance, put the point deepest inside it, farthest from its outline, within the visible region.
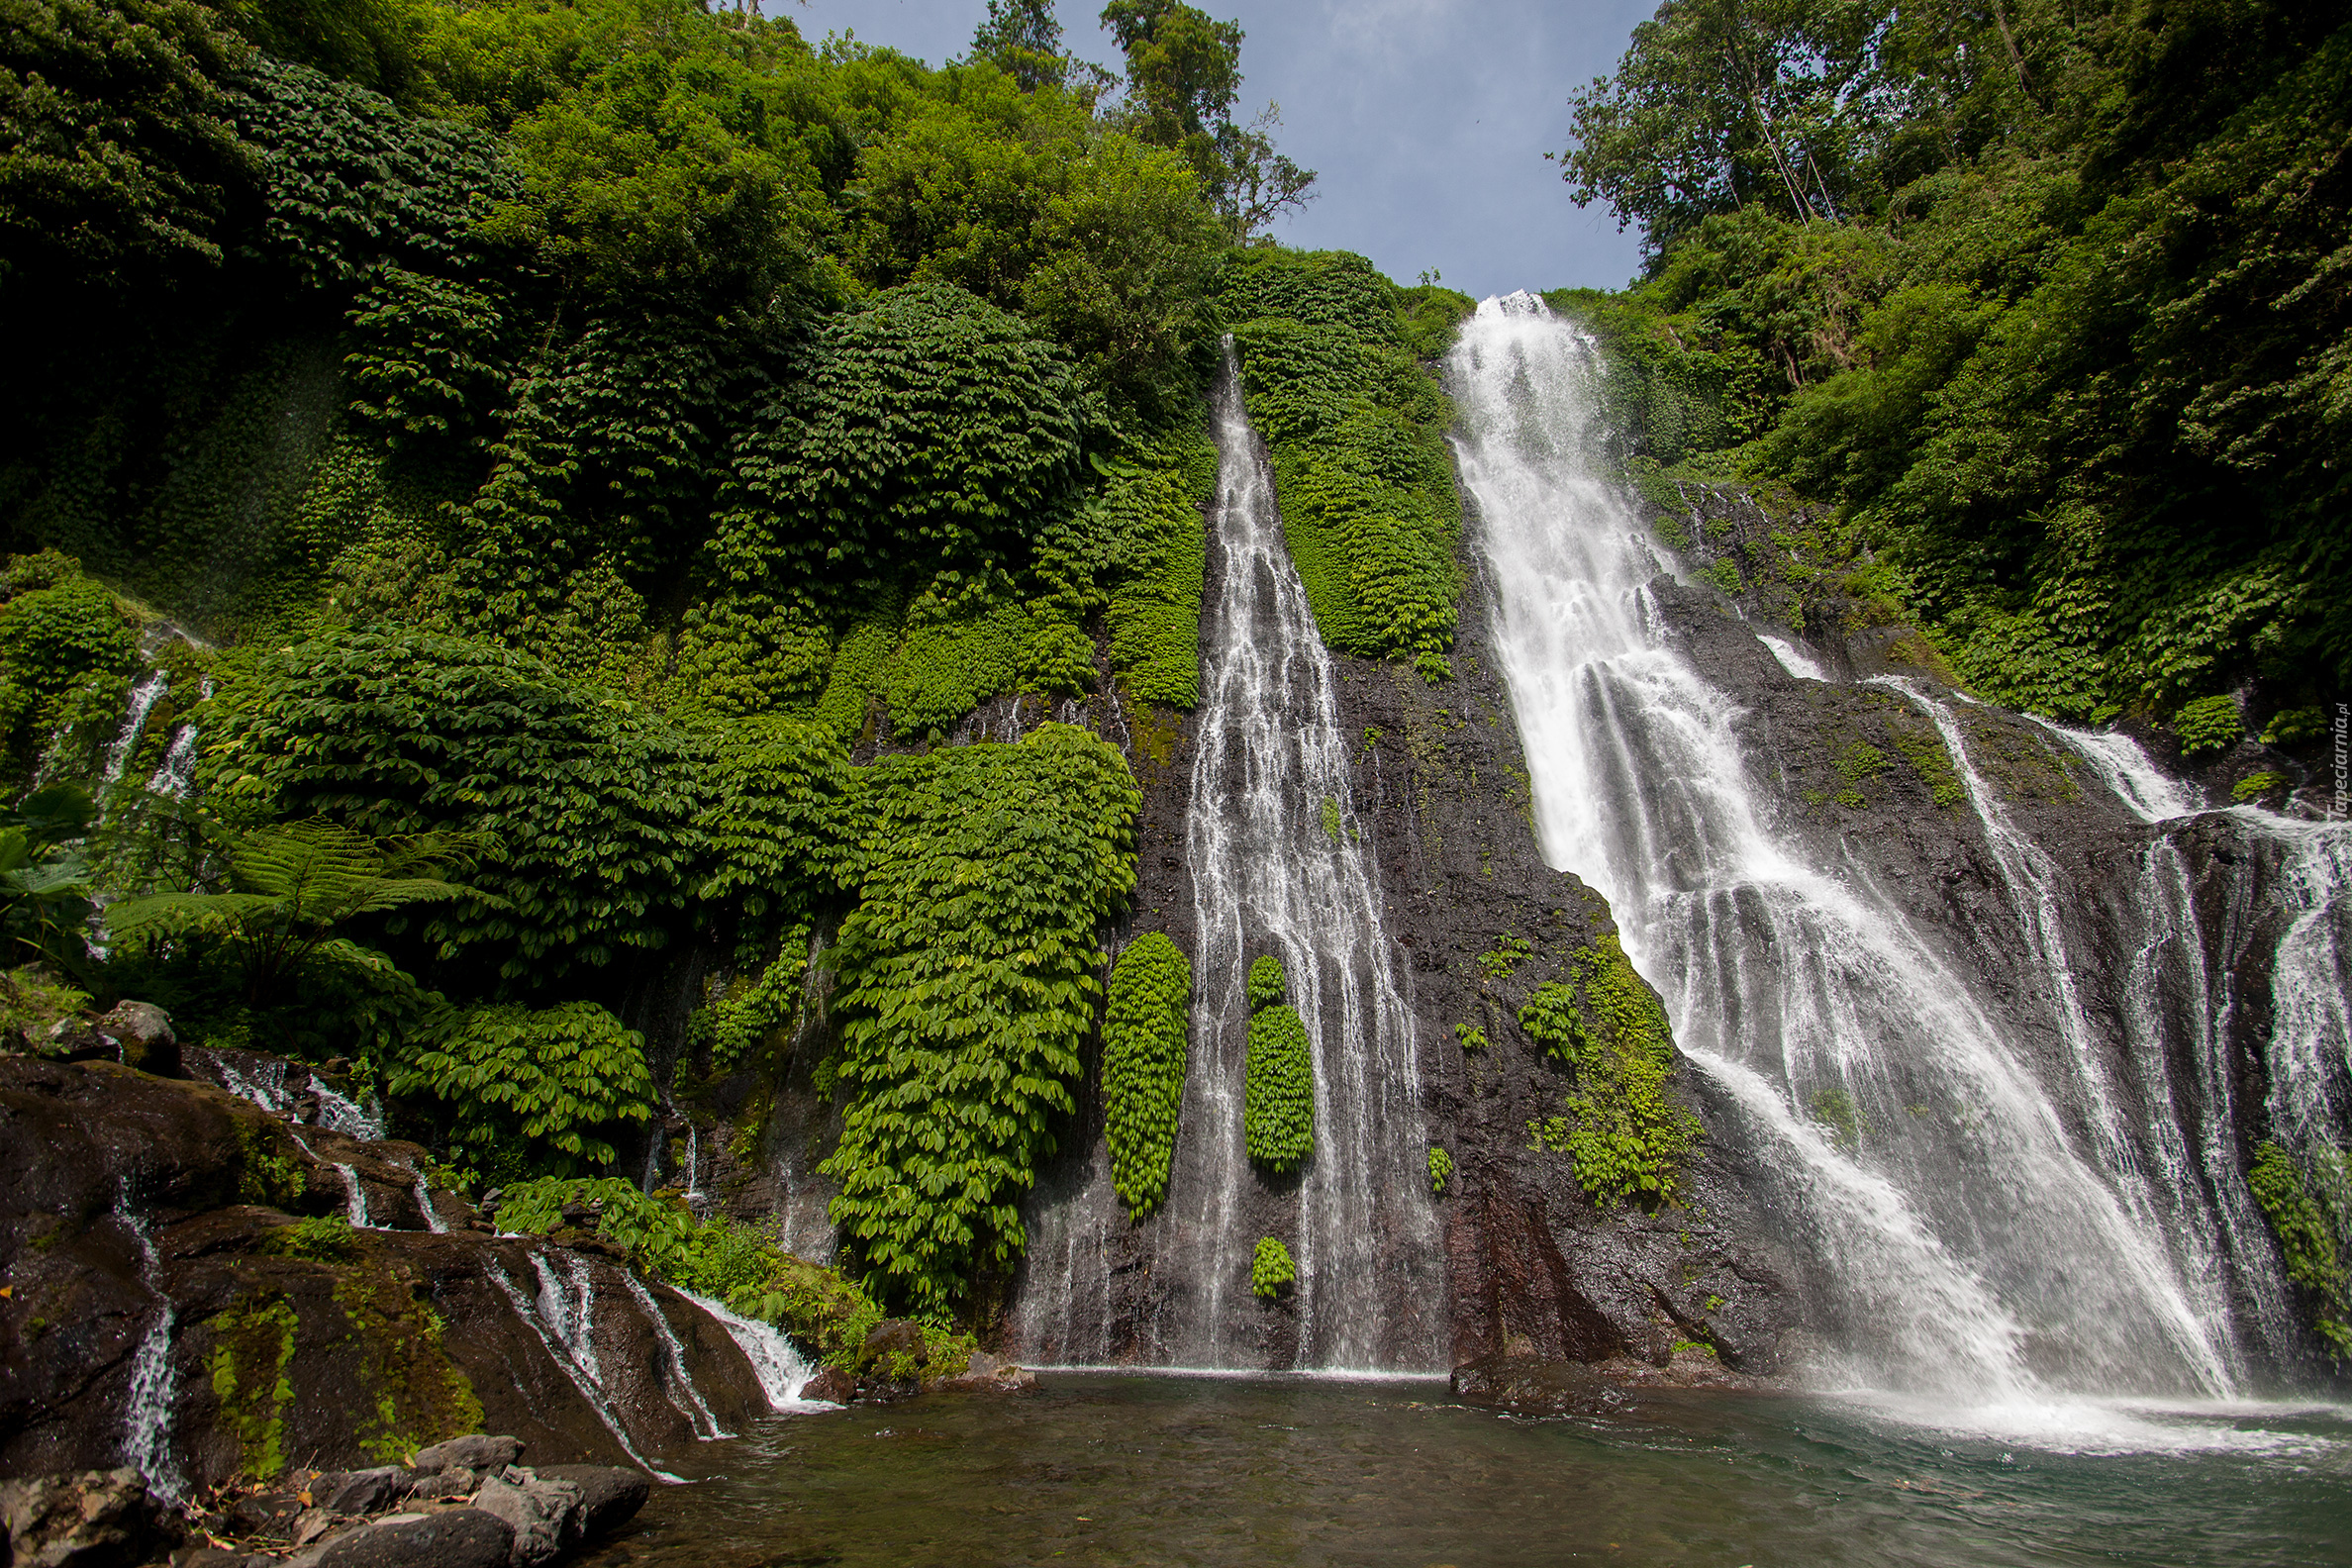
(1108, 1469)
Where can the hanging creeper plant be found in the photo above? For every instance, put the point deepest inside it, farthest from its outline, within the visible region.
(1144, 1039)
(1278, 1099)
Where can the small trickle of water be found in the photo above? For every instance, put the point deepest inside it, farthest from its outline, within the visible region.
(559, 1350)
(677, 1374)
(144, 697)
(1793, 658)
(146, 1421)
(433, 1219)
(338, 1113)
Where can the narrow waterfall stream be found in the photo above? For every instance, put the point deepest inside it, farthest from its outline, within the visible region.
(1268, 876)
(1990, 1225)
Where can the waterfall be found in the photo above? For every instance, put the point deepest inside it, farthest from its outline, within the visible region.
(676, 1373)
(781, 1371)
(433, 1219)
(552, 1318)
(1268, 877)
(143, 702)
(1991, 1219)
(338, 1113)
(147, 1419)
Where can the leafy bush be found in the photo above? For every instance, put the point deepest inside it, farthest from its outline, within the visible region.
(321, 1239)
(290, 887)
(345, 180)
(66, 657)
(1628, 1136)
(966, 986)
(1357, 433)
(1278, 1098)
(46, 886)
(558, 1078)
(1441, 1169)
(2210, 723)
(1265, 983)
(2309, 1234)
(584, 808)
(1271, 1268)
(1144, 1031)
(933, 433)
(2256, 785)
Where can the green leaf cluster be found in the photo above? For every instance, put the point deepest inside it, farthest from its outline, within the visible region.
(1278, 1090)
(1441, 1169)
(966, 986)
(1271, 1268)
(1626, 1135)
(1357, 433)
(2210, 723)
(66, 657)
(1145, 1025)
(564, 1078)
(2312, 1218)
(1266, 983)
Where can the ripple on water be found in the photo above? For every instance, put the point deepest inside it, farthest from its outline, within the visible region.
(1095, 1468)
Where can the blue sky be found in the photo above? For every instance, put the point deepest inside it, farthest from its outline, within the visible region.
(1427, 120)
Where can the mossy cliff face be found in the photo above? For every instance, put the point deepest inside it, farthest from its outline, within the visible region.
(293, 1342)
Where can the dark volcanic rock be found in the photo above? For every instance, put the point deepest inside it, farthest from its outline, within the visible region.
(608, 1496)
(440, 1332)
(475, 1451)
(99, 1519)
(452, 1538)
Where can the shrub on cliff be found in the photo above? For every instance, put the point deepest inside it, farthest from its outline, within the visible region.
(1143, 1050)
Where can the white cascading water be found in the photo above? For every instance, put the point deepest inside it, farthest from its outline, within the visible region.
(555, 1319)
(775, 1361)
(1975, 1246)
(676, 1373)
(147, 1419)
(1268, 877)
(134, 717)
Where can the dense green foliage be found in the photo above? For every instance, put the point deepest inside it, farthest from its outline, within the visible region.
(967, 984)
(1271, 1268)
(1626, 1135)
(2047, 299)
(1441, 1169)
(2313, 1228)
(1145, 1026)
(562, 1077)
(1357, 433)
(1278, 1090)
(1266, 985)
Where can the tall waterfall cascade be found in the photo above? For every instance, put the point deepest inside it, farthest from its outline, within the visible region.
(2023, 1220)
(1268, 876)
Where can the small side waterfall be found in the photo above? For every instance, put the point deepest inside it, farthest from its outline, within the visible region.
(781, 1370)
(2008, 1198)
(146, 1421)
(143, 702)
(563, 1326)
(676, 1374)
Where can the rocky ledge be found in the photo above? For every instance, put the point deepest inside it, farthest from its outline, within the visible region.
(467, 1502)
